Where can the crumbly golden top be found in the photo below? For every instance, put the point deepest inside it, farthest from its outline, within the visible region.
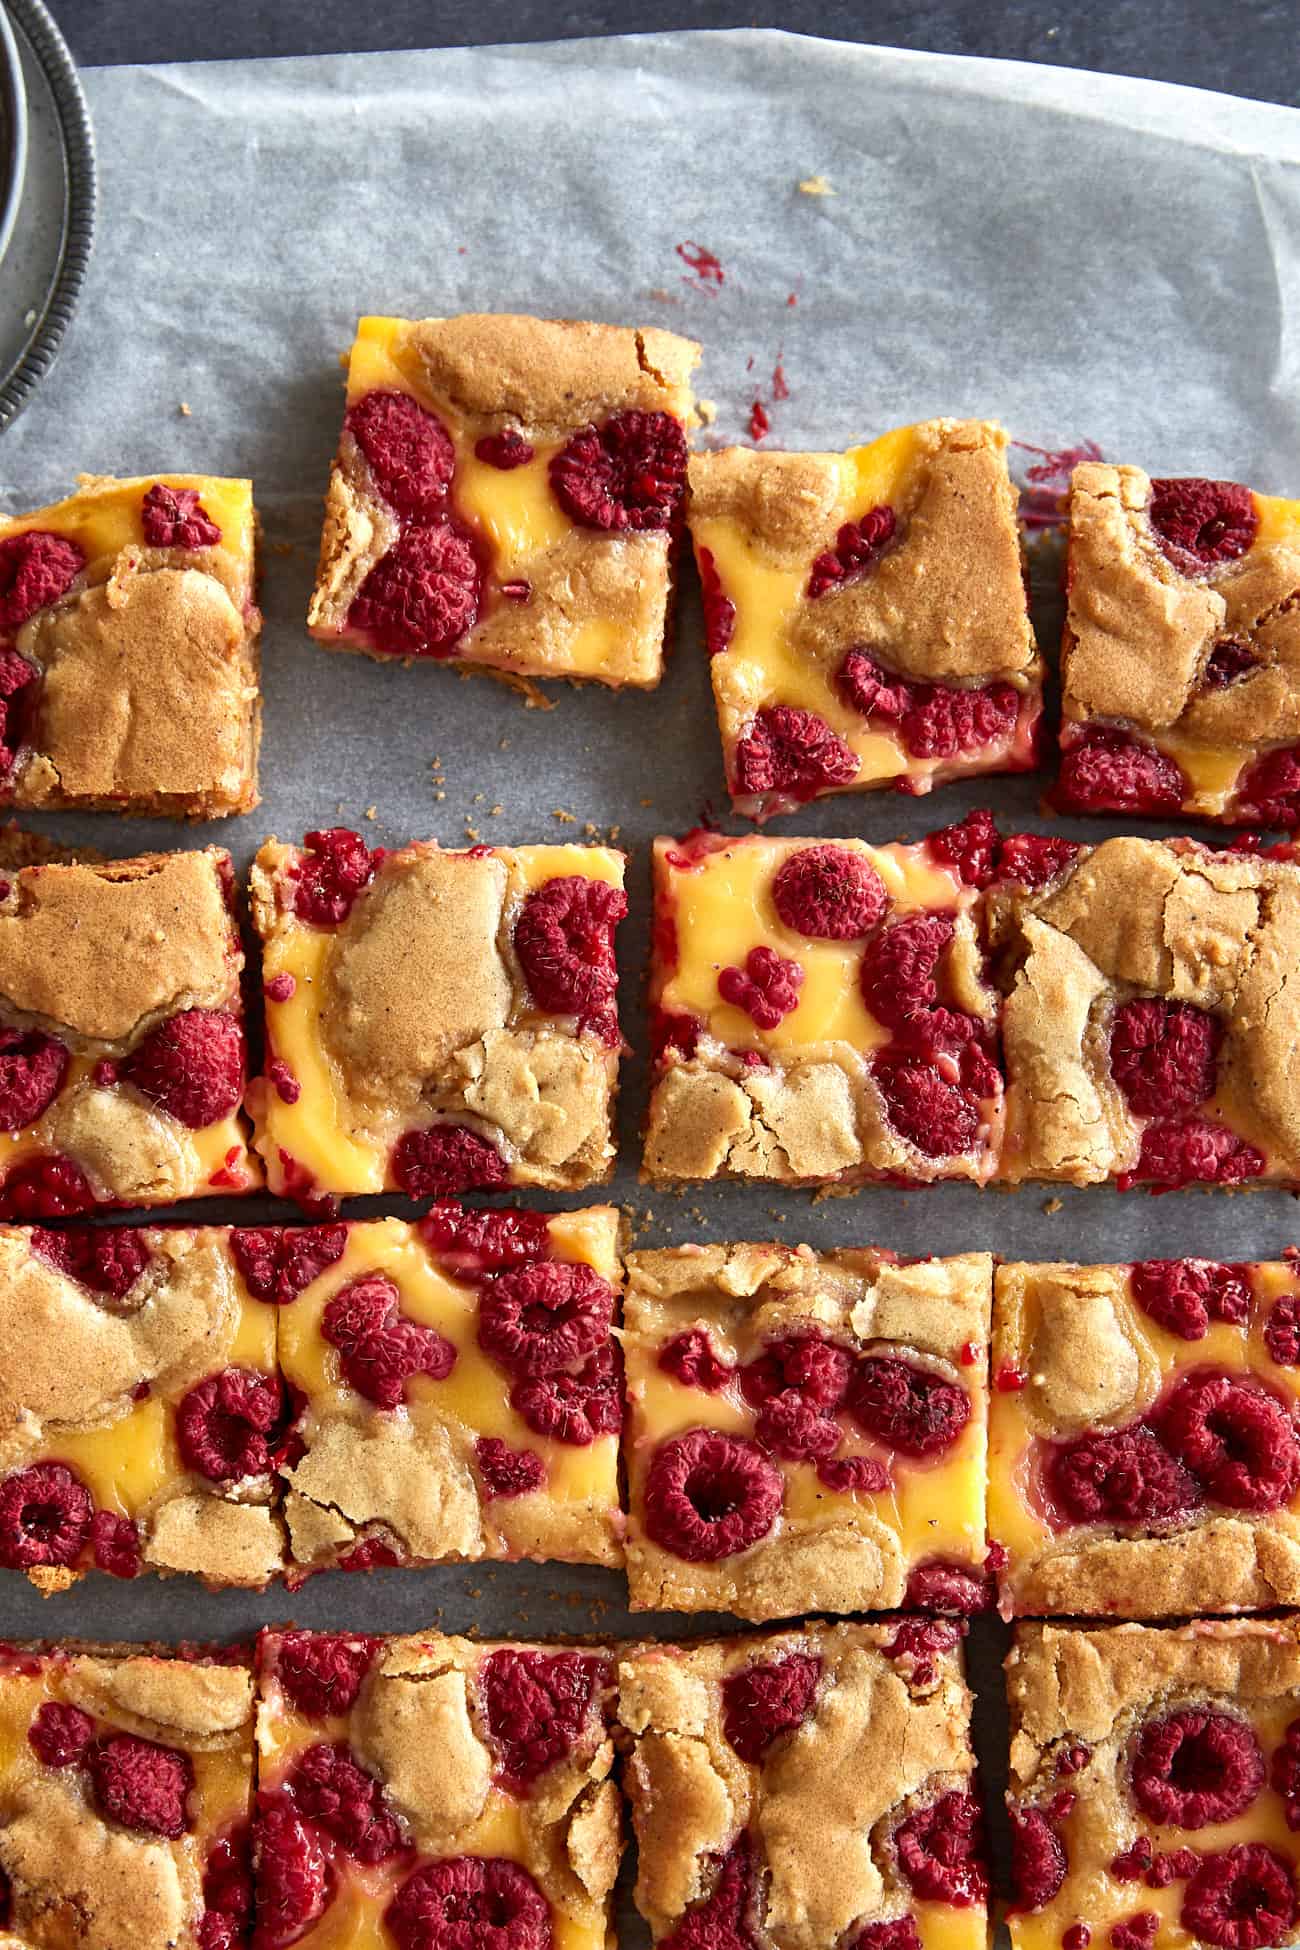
(180, 1702)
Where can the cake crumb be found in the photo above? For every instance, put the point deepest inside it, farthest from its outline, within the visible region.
(816, 186)
(185, 410)
(1052, 1205)
(706, 411)
(647, 802)
(471, 832)
(565, 818)
(495, 812)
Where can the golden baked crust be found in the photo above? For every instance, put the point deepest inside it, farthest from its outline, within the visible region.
(814, 1816)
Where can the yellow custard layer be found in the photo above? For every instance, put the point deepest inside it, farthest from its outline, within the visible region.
(105, 516)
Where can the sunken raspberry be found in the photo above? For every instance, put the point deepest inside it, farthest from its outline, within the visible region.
(322, 1672)
(461, 1901)
(44, 1187)
(141, 1785)
(176, 518)
(768, 1700)
(574, 1408)
(1077, 1937)
(1106, 771)
(766, 988)
(719, 610)
(1164, 1055)
(446, 1158)
(794, 753)
(32, 1069)
(374, 1553)
(379, 1348)
(802, 1364)
(115, 1544)
(870, 690)
(709, 1495)
(45, 1516)
(829, 894)
(1284, 1774)
(192, 1066)
(1194, 1767)
(939, 1586)
(918, 1641)
(536, 1705)
(227, 1919)
(1184, 1295)
(1137, 1932)
(421, 598)
(1120, 1476)
(940, 721)
(226, 1427)
(504, 1471)
(505, 450)
(791, 1427)
(853, 1475)
(897, 974)
(940, 1850)
(1189, 1151)
(1199, 522)
(1244, 1897)
(1237, 1440)
(408, 449)
(543, 1317)
(905, 1407)
(1038, 1860)
(941, 1119)
(724, 1919)
(970, 848)
(1282, 1331)
(1132, 1863)
(16, 674)
(60, 1736)
(1228, 662)
(1033, 859)
(692, 1359)
(102, 1260)
(471, 1243)
(901, 1934)
(564, 939)
(331, 1788)
(36, 568)
(628, 473)
(1268, 792)
(859, 545)
(277, 1262)
(329, 874)
(293, 1878)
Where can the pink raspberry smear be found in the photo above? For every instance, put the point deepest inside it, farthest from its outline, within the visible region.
(574, 1408)
(191, 1066)
(859, 545)
(471, 1243)
(791, 753)
(229, 1427)
(379, 1348)
(940, 1851)
(447, 1158)
(1199, 522)
(692, 1359)
(36, 568)
(766, 988)
(719, 610)
(829, 893)
(1106, 771)
(1237, 1440)
(505, 1472)
(907, 1408)
(725, 1919)
(293, 1876)
(141, 1785)
(32, 1069)
(709, 1496)
(1190, 1151)
(1124, 1476)
(408, 450)
(938, 1117)
(544, 1317)
(1184, 1295)
(277, 1262)
(329, 874)
(421, 598)
(1164, 1055)
(1194, 1767)
(1268, 793)
(629, 473)
(176, 518)
(60, 1736)
(322, 1672)
(1244, 1898)
(470, 1902)
(45, 1514)
(107, 1260)
(1038, 1860)
(564, 939)
(768, 1700)
(331, 1788)
(536, 1705)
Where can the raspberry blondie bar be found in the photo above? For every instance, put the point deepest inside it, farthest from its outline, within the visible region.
(125, 1799)
(434, 1791)
(129, 677)
(1155, 1786)
(1181, 650)
(1144, 1454)
(122, 1060)
(806, 1431)
(865, 615)
(459, 1386)
(812, 1788)
(436, 1021)
(508, 494)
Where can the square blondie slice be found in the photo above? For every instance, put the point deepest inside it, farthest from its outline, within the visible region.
(1143, 1450)
(436, 1021)
(141, 1404)
(459, 1387)
(507, 494)
(126, 1781)
(429, 1790)
(122, 1057)
(866, 615)
(1155, 1785)
(129, 667)
(820, 1013)
(812, 1788)
(806, 1431)
(1181, 650)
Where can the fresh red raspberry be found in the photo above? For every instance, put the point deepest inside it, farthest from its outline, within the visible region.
(1190, 1150)
(32, 1069)
(971, 848)
(192, 1066)
(546, 1316)
(1124, 1476)
(918, 1641)
(829, 894)
(719, 610)
(408, 449)
(564, 939)
(1244, 1898)
(1282, 1331)
(897, 973)
(421, 598)
(943, 1587)
(60, 1736)
(1137, 1932)
(1284, 1774)
(767, 1700)
(901, 1934)
(16, 674)
(228, 1426)
(724, 1920)
(1228, 662)
(907, 1408)
(115, 1543)
(1175, 1867)
(766, 988)
(802, 1364)
(1038, 1859)
(1106, 771)
(791, 752)
(45, 1516)
(853, 1475)
(859, 545)
(44, 1187)
(536, 1705)
(331, 1788)
(227, 1919)
(1034, 859)
(939, 1118)
(447, 1158)
(1077, 1937)
(176, 518)
(141, 1785)
(692, 1359)
(374, 1553)
(709, 1496)
(471, 1243)
(505, 450)
(504, 1471)
(103, 1260)
(1237, 1440)
(790, 1426)
(941, 720)
(277, 1262)
(1184, 1295)
(1073, 1760)
(293, 1876)
(329, 874)
(1164, 1055)
(574, 1408)
(628, 473)
(1194, 1767)
(1132, 1863)
(871, 690)
(322, 1672)
(1268, 792)
(470, 1902)
(379, 1348)
(36, 568)
(1199, 522)
(940, 1850)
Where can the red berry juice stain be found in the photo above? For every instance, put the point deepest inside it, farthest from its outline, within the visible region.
(759, 424)
(708, 271)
